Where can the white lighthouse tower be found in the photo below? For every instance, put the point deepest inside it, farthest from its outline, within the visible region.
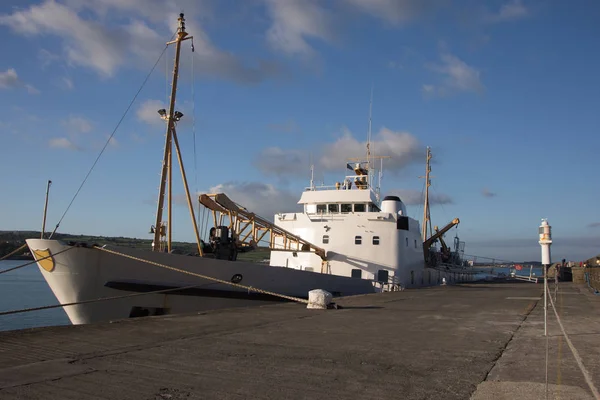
(545, 241)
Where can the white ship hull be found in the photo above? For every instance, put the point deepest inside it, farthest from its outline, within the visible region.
(83, 273)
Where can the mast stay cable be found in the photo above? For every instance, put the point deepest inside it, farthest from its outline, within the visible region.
(110, 138)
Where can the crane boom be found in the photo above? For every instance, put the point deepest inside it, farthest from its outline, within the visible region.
(428, 242)
(249, 229)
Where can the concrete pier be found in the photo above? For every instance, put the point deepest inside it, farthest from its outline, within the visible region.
(480, 341)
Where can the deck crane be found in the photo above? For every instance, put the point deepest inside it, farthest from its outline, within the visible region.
(237, 228)
(438, 235)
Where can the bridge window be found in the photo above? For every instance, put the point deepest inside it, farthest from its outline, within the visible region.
(346, 208)
(356, 273)
(321, 208)
(325, 239)
(415, 243)
(359, 208)
(334, 208)
(373, 208)
(406, 242)
(357, 239)
(375, 240)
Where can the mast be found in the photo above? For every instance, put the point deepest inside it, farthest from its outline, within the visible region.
(45, 209)
(426, 217)
(370, 174)
(172, 117)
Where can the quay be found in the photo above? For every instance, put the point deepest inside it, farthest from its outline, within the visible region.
(478, 341)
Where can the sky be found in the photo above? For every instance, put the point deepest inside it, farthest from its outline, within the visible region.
(504, 92)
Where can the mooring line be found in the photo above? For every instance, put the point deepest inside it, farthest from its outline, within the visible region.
(210, 278)
(34, 261)
(584, 371)
(13, 252)
(23, 310)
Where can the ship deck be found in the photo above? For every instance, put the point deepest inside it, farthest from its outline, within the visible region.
(479, 340)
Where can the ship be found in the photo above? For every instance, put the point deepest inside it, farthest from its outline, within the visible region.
(346, 240)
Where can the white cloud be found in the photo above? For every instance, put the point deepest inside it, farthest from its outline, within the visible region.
(62, 143)
(282, 162)
(510, 11)
(394, 11)
(147, 112)
(296, 21)
(112, 142)
(77, 125)
(46, 57)
(31, 89)
(67, 83)
(456, 76)
(428, 89)
(260, 198)
(92, 40)
(414, 197)
(486, 193)
(402, 147)
(9, 79)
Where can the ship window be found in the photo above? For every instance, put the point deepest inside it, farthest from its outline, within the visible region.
(333, 208)
(359, 208)
(415, 243)
(346, 208)
(321, 208)
(373, 208)
(357, 273)
(412, 277)
(383, 275)
(375, 240)
(406, 242)
(325, 239)
(357, 240)
(402, 223)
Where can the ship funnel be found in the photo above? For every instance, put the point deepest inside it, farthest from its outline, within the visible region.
(393, 205)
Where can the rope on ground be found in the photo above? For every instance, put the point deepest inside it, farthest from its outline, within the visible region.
(584, 371)
(24, 310)
(13, 252)
(34, 261)
(210, 278)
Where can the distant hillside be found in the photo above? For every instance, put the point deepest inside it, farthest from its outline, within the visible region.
(11, 240)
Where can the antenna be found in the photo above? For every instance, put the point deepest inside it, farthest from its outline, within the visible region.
(312, 174)
(369, 131)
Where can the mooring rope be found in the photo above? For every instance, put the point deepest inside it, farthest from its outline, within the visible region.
(24, 310)
(210, 278)
(13, 252)
(584, 371)
(34, 261)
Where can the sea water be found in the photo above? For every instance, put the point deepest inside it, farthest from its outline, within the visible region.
(26, 288)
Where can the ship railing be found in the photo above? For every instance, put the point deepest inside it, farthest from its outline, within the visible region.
(388, 286)
(349, 183)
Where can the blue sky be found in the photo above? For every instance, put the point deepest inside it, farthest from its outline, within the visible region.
(505, 93)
